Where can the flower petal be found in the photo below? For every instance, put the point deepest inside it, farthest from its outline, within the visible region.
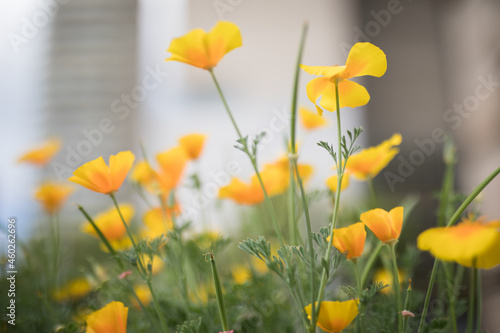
(172, 164)
(315, 88)
(189, 49)
(110, 319)
(328, 71)
(119, 166)
(310, 119)
(377, 220)
(351, 94)
(365, 59)
(223, 38)
(94, 175)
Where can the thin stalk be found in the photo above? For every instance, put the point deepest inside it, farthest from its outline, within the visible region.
(472, 300)
(252, 160)
(361, 315)
(294, 232)
(445, 193)
(373, 193)
(451, 295)
(218, 294)
(340, 174)
(479, 293)
(452, 220)
(371, 261)
(157, 307)
(409, 292)
(397, 288)
(309, 245)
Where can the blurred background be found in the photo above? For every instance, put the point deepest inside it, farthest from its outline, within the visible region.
(67, 65)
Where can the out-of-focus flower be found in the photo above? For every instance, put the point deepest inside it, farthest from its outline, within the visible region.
(53, 195)
(97, 176)
(143, 174)
(110, 223)
(42, 155)
(172, 164)
(73, 290)
(242, 193)
(241, 274)
(143, 293)
(406, 313)
(385, 225)
(121, 244)
(158, 222)
(363, 59)
(369, 162)
(469, 243)
(193, 144)
(350, 240)
(110, 319)
(123, 275)
(157, 264)
(205, 49)
(332, 182)
(310, 119)
(385, 276)
(335, 316)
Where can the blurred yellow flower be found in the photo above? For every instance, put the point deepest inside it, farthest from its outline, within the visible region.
(110, 223)
(242, 193)
(369, 162)
(73, 290)
(110, 319)
(469, 243)
(143, 293)
(335, 316)
(158, 222)
(350, 240)
(385, 276)
(385, 225)
(143, 174)
(120, 244)
(205, 49)
(311, 120)
(157, 264)
(193, 144)
(241, 274)
(172, 164)
(332, 182)
(363, 59)
(53, 195)
(42, 155)
(97, 176)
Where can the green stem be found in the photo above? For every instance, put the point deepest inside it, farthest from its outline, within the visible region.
(340, 174)
(371, 261)
(310, 245)
(397, 288)
(479, 300)
(361, 315)
(452, 220)
(157, 307)
(218, 294)
(252, 160)
(451, 294)
(293, 225)
(409, 292)
(373, 193)
(472, 300)
(445, 194)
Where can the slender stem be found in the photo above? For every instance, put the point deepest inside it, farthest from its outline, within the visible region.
(371, 262)
(252, 160)
(218, 294)
(407, 307)
(472, 300)
(309, 245)
(452, 220)
(157, 307)
(373, 193)
(397, 288)
(479, 300)
(361, 315)
(340, 174)
(451, 294)
(293, 225)
(446, 190)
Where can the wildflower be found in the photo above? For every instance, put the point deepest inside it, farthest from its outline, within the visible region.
(311, 120)
(332, 182)
(193, 144)
(97, 176)
(242, 193)
(110, 223)
(143, 293)
(469, 243)
(42, 155)
(363, 59)
(335, 316)
(157, 222)
(122, 244)
(124, 275)
(156, 263)
(205, 49)
(350, 240)
(241, 274)
(385, 225)
(172, 164)
(369, 162)
(73, 290)
(53, 195)
(143, 173)
(110, 319)
(386, 277)
(406, 313)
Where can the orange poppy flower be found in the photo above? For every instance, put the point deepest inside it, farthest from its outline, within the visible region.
(53, 195)
(172, 164)
(110, 319)
(350, 240)
(193, 144)
(385, 225)
(97, 176)
(310, 119)
(335, 316)
(110, 223)
(205, 49)
(42, 155)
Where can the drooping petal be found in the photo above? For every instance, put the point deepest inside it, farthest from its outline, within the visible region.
(311, 120)
(335, 316)
(110, 319)
(351, 94)
(327, 71)
(365, 59)
(315, 88)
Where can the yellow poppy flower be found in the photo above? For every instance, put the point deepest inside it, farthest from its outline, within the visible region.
(471, 244)
(193, 144)
(332, 182)
(350, 240)
(241, 274)
(335, 316)
(172, 164)
(110, 319)
(242, 193)
(157, 264)
(369, 162)
(385, 276)
(385, 225)
(205, 49)
(97, 176)
(157, 222)
(121, 244)
(143, 293)
(363, 59)
(143, 174)
(311, 120)
(42, 155)
(53, 195)
(73, 290)
(110, 223)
